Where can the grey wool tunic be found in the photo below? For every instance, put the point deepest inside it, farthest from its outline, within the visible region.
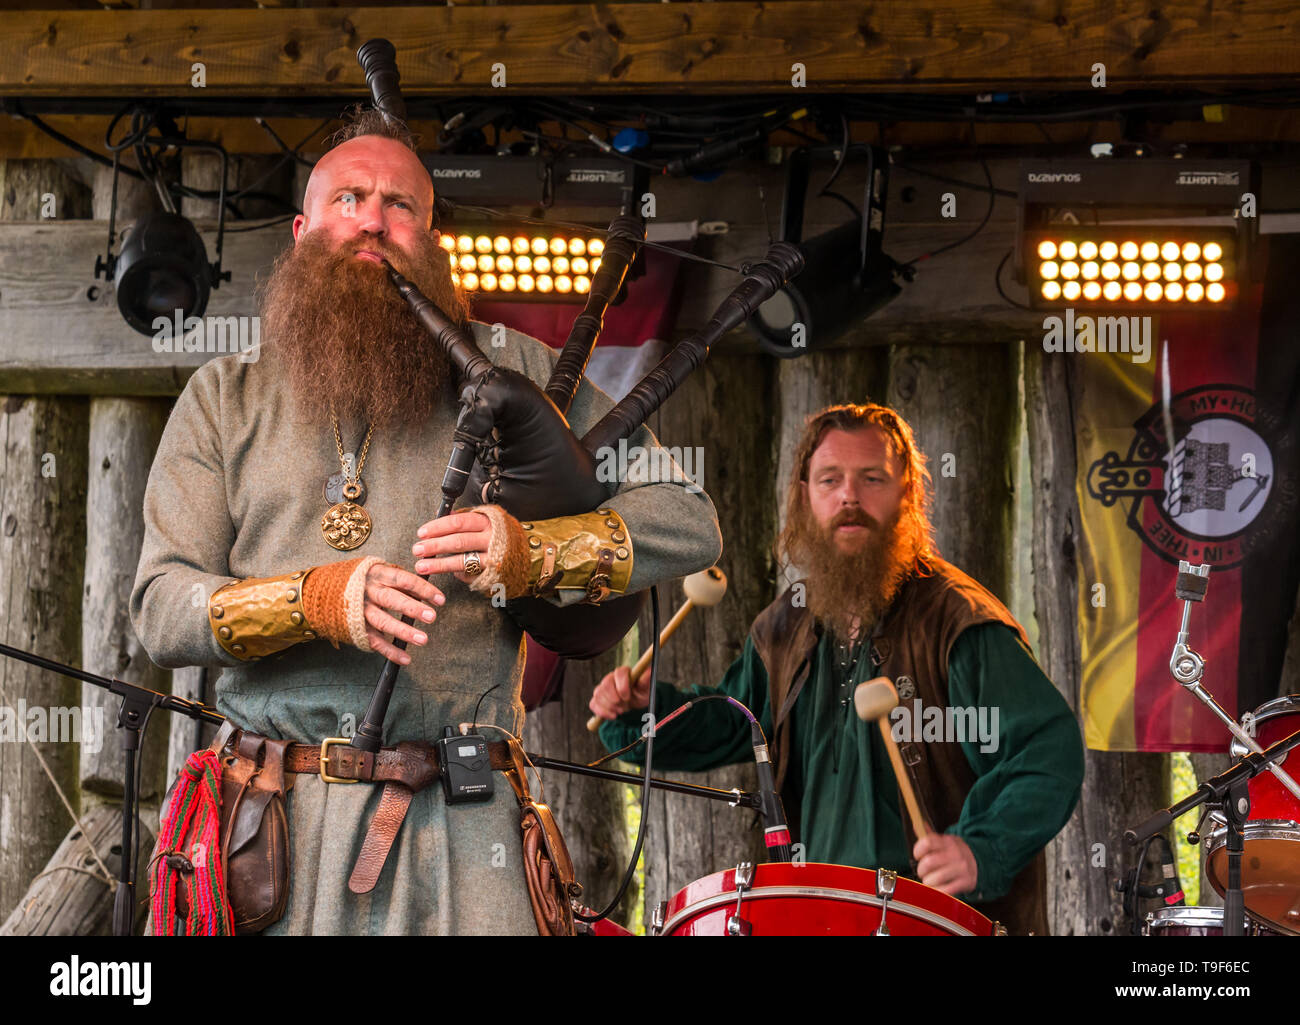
(235, 492)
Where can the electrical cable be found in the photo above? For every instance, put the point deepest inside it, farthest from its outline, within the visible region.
(646, 772)
(72, 144)
(997, 280)
(839, 166)
(1131, 894)
(274, 222)
(974, 186)
(978, 228)
(478, 704)
(541, 784)
(135, 826)
(292, 154)
(679, 710)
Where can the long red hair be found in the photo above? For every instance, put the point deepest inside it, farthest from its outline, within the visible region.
(914, 508)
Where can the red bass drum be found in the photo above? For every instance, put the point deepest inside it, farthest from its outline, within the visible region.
(1270, 867)
(818, 900)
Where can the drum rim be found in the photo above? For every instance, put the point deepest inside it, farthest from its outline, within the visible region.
(1273, 706)
(1191, 911)
(728, 899)
(1272, 829)
(1270, 709)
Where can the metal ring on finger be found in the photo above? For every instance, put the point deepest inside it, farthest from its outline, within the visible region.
(473, 565)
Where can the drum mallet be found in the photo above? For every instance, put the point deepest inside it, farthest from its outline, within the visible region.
(874, 700)
(702, 589)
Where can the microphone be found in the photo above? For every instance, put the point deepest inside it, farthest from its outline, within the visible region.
(776, 833)
(1172, 888)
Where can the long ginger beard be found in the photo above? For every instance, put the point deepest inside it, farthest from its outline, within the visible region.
(859, 584)
(344, 339)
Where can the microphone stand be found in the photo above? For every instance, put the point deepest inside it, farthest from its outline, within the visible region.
(1227, 790)
(733, 797)
(137, 705)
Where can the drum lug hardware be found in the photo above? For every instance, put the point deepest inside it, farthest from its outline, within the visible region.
(885, 881)
(657, 916)
(737, 926)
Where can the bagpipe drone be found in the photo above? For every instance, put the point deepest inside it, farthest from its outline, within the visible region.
(528, 459)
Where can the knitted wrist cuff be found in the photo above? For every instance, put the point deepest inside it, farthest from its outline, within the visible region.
(506, 560)
(354, 603)
(334, 601)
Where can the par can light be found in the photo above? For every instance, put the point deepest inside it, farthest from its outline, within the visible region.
(163, 267)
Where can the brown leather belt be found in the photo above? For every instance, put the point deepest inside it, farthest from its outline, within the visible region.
(404, 770)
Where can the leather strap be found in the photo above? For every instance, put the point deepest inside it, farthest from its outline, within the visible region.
(379, 839)
(414, 763)
(404, 770)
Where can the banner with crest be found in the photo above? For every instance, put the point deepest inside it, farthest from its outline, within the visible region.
(1208, 475)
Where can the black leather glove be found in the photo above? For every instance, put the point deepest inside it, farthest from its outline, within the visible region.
(532, 464)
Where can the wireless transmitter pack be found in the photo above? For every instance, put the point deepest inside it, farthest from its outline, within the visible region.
(466, 770)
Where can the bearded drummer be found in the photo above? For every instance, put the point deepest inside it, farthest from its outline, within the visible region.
(992, 750)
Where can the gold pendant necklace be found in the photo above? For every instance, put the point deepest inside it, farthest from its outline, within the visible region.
(346, 524)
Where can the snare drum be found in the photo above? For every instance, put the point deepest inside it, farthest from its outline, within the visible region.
(1270, 867)
(784, 899)
(1189, 921)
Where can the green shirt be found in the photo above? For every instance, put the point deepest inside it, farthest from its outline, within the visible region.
(1028, 776)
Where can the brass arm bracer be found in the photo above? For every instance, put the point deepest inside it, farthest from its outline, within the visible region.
(257, 617)
(591, 552)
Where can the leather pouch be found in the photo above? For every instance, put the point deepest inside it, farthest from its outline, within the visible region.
(254, 829)
(548, 868)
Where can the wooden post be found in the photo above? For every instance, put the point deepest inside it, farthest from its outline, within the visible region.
(809, 384)
(722, 413)
(1119, 789)
(123, 436)
(961, 403)
(42, 549)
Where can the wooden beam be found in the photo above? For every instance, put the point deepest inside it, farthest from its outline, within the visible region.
(739, 48)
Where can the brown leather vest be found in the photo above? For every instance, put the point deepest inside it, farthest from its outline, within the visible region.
(913, 646)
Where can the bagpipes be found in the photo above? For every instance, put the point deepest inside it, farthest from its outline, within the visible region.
(528, 459)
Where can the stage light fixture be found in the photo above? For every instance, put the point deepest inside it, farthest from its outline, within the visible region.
(1139, 225)
(1153, 283)
(522, 262)
(846, 276)
(162, 268)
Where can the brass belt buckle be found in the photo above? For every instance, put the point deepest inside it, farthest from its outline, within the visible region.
(325, 746)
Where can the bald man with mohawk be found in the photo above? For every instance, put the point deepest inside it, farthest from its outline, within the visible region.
(246, 507)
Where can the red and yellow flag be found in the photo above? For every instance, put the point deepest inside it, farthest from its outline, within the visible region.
(1221, 490)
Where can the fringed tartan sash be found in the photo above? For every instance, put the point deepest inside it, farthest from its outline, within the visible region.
(189, 848)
